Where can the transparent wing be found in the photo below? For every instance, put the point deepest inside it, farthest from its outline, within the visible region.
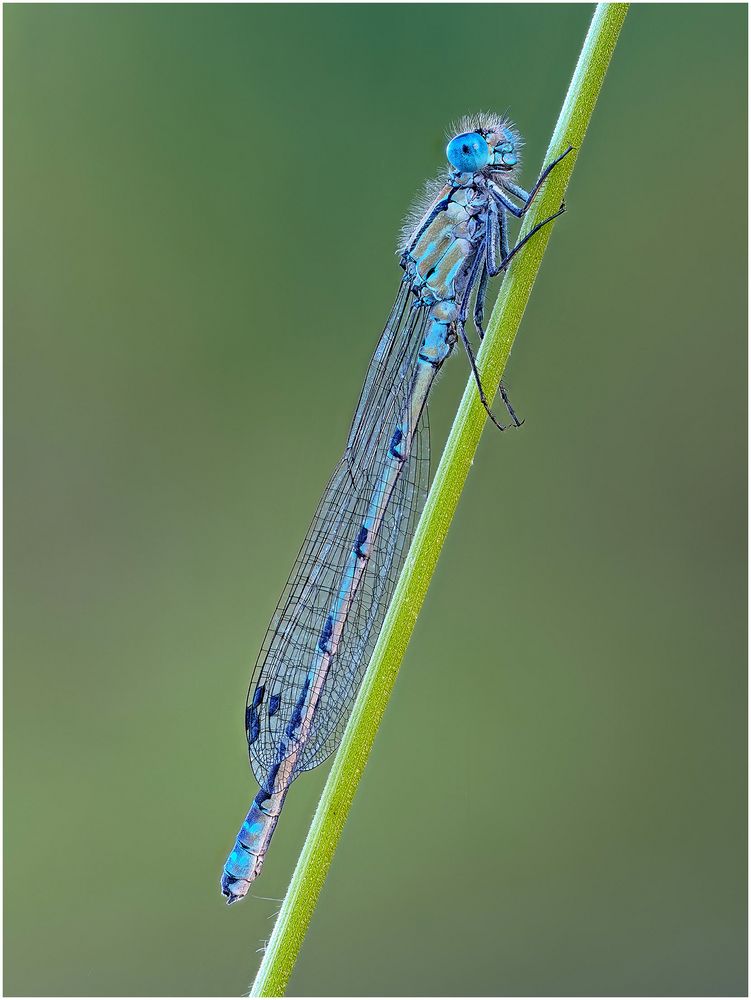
(292, 642)
(387, 381)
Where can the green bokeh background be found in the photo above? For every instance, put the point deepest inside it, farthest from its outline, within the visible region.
(201, 207)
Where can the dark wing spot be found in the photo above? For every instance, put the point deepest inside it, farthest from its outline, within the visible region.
(328, 628)
(296, 719)
(252, 721)
(252, 724)
(395, 441)
(274, 702)
(360, 541)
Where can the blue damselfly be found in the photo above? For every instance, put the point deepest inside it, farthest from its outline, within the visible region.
(327, 620)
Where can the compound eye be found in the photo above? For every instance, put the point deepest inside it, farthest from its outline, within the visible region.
(468, 153)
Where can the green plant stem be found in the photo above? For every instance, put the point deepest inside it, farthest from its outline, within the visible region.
(349, 763)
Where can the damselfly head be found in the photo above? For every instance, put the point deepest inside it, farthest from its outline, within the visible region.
(484, 142)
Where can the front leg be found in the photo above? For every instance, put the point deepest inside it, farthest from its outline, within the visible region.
(527, 198)
(503, 203)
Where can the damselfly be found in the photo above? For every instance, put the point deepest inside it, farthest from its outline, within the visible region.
(327, 620)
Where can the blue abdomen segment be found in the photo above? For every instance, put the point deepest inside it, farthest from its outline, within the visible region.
(246, 857)
(439, 338)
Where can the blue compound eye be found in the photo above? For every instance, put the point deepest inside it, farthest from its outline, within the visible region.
(468, 153)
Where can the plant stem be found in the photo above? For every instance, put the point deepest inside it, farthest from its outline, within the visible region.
(349, 763)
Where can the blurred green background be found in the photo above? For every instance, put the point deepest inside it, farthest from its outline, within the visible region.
(201, 207)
